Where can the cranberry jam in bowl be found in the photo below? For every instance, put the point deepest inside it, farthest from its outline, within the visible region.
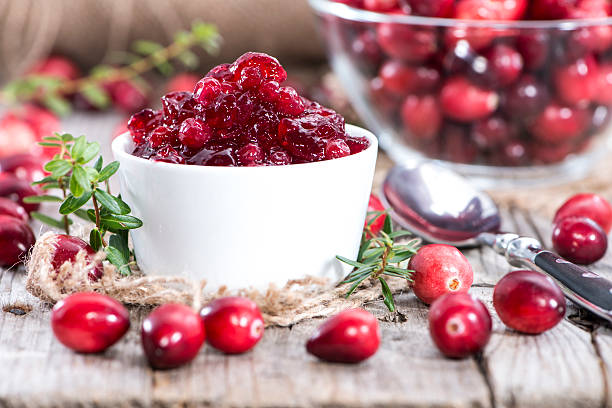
(506, 92)
(243, 182)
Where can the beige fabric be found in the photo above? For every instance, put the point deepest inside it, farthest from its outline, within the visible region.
(89, 30)
(298, 300)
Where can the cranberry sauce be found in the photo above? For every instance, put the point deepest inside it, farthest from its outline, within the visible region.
(240, 115)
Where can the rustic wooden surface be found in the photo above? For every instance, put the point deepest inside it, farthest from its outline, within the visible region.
(569, 366)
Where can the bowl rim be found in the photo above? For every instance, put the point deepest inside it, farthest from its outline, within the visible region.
(347, 12)
(122, 142)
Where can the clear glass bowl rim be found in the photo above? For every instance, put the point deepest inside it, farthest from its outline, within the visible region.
(346, 12)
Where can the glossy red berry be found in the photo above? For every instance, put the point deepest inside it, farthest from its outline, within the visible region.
(401, 79)
(463, 101)
(127, 96)
(289, 102)
(528, 301)
(503, 65)
(89, 322)
(587, 205)
(16, 135)
(431, 8)
(351, 336)
(421, 116)
(576, 83)
(380, 5)
(233, 324)
(16, 239)
(405, 42)
(336, 148)
(527, 97)
(558, 123)
(375, 205)
(16, 189)
(604, 84)
(56, 66)
(493, 132)
(194, 133)
(12, 209)
(24, 166)
(66, 249)
(459, 324)
(207, 90)
(269, 67)
(439, 269)
(172, 335)
(579, 240)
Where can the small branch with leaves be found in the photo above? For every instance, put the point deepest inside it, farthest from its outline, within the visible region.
(54, 93)
(381, 256)
(80, 185)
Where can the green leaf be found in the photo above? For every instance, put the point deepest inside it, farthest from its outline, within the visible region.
(108, 171)
(91, 150)
(145, 47)
(399, 233)
(82, 214)
(58, 168)
(92, 174)
(41, 199)
(373, 252)
(401, 256)
(120, 222)
(48, 179)
(91, 215)
(96, 95)
(189, 59)
(120, 241)
(57, 104)
(387, 295)
(113, 204)
(50, 186)
(95, 239)
(52, 138)
(72, 203)
(388, 226)
(47, 144)
(67, 137)
(98, 165)
(80, 143)
(348, 261)
(116, 257)
(79, 183)
(356, 284)
(59, 224)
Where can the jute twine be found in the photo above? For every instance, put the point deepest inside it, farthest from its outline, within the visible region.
(299, 299)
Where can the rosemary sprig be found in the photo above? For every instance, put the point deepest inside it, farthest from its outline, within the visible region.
(379, 256)
(80, 185)
(54, 93)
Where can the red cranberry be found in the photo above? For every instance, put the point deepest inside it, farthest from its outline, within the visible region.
(604, 84)
(44, 123)
(421, 116)
(579, 240)
(528, 301)
(558, 123)
(17, 189)
(357, 144)
(279, 157)
(168, 154)
(512, 153)
(534, 47)
(66, 249)
(127, 96)
(207, 90)
(591, 38)
(365, 48)
(270, 91)
(172, 335)
(380, 5)
(89, 322)
(550, 153)
(402, 79)
(289, 102)
(466, 102)
(221, 72)
(250, 78)
(184, 82)
(459, 324)
(269, 67)
(406, 42)
(351, 336)
(490, 9)
(375, 205)
(24, 166)
(56, 66)
(250, 154)
(576, 83)
(16, 239)
(476, 38)
(591, 206)
(551, 9)
(432, 8)
(142, 122)
(12, 209)
(492, 132)
(161, 136)
(336, 148)
(233, 324)
(16, 135)
(194, 133)
(457, 145)
(439, 269)
(527, 97)
(504, 65)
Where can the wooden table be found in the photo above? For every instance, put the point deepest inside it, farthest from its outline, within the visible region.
(569, 366)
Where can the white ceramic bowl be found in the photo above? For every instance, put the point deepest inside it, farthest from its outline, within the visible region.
(247, 226)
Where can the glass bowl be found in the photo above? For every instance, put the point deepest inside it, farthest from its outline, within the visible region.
(504, 103)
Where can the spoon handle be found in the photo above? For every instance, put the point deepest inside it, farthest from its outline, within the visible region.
(586, 288)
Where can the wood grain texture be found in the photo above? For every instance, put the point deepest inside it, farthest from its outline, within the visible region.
(568, 366)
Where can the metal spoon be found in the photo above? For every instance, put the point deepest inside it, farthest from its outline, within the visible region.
(442, 207)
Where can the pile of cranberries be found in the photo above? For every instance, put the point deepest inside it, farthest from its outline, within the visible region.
(240, 114)
(478, 94)
(581, 227)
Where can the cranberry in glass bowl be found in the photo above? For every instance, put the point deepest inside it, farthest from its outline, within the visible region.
(499, 91)
(242, 177)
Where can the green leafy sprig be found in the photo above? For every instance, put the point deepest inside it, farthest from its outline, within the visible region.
(380, 256)
(85, 193)
(54, 93)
